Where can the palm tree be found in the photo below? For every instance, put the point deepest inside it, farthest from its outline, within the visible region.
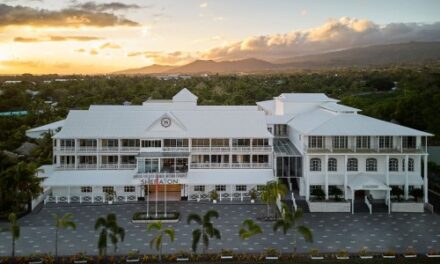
(252, 229)
(272, 192)
(289, 221)
(62, 223)
(158, 239)
(109, 228)
(14, 229)
(206, 230)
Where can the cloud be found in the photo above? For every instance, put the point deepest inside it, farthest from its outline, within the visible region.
(204, 5)
(101, 7)
(80, 50)
(93, 52)
(55, 38)
(335, 34)
(109, 45)
(303, 12)
(30, 64)
(177, 57)
(27, 16)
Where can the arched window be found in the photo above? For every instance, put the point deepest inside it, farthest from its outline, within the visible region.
(393, 165)
(352, 164)
(371, 164)
(332, 164)
(410, 164)
(315, 164)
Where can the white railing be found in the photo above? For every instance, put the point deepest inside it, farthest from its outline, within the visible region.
(200, 149)
(200, 165)
(127, 166)
(220, 149)
(241, 149)
(155, 175)
(108, 166)
(175, 149)
(87, 149)
(108, 149)
(66, 167)
(241, 165)
(220, 165)
(64, 149)
(87, 166)
(260, 165)
(129, 149)
(261, 148)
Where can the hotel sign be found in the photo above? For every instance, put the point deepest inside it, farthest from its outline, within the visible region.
(159, 181)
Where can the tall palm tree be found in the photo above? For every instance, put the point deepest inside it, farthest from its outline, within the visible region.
(250, 228)
(206, 230)
(14, 229)
(158, 239)
(289, 221)
(272, 192)
(62, 223)
(109, 229)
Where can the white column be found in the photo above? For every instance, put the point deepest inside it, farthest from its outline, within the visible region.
(389, 201)
(387, 171)
(307, 169)
(352, 202)
(68, 194)
(425, 178)
(345, 178)
(326, 176)
(406, 190)
(93, 195)
(231, 192)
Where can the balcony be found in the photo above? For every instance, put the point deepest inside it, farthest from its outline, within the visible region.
(127, 166)
(220, 165)
(175, 149)
(87, 149)
(200, 165)
(108, 166)
(64, 149)
(261, 148)
(200, 149)
(66, 167)
(160, 175)
(241, 149)
(87, 166)
(108, 149)
(129, 149)
(241, 165)
(220, 149)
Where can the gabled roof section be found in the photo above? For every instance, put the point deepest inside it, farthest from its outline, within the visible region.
(305, 97)
(185, 96)
(173, 118)
(268, 105)
(321, 122)
(335, 107)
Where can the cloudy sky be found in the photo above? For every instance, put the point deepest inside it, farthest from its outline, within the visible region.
(75, 36)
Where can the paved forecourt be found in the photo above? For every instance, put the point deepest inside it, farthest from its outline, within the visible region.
(332, 231)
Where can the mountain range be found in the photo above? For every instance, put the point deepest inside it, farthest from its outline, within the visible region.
(380, 55)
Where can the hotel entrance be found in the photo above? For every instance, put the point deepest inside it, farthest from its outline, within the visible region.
(162, 192)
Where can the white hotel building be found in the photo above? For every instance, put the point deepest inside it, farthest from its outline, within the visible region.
(189, 150)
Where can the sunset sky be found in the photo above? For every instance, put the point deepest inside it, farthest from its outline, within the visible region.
(55, 36)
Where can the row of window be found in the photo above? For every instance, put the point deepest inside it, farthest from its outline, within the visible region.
(222, 188)
(352, 164)
(362, 142)
(107, 189)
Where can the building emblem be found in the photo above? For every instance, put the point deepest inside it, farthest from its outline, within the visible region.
(165, 122)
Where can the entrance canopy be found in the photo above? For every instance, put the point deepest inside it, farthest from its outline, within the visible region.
(366, 182)
(229, 177)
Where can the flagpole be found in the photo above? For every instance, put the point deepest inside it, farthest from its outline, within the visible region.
(165, 196)
(157, 185)
(148, 196)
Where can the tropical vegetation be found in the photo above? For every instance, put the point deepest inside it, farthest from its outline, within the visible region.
(157, 241)
(109, 230)
(205, 231)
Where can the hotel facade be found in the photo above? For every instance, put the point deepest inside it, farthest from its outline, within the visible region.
(179, 150)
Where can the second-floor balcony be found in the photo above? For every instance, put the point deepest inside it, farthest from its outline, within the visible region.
(87, 166)
(215, 165)
(363, 150)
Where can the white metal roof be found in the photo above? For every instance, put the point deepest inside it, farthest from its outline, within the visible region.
(141, 124)
(366, 182)
(184, 96)
(279, 119)
(171, 106)
(47, 127)
(229, 176)
(90, 177)
(333, 106)
(268, 105)
(321, 122)
(305, 97)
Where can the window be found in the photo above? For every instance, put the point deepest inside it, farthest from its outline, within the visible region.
(352, 164)
(261, 188)
(340, 142)
(385, 142)
(332, 164)
(107, 189)
(180, 142)
(240, 188)
(220, 188)
(199, 188)
(241, 142)
(260, 158)
(129, 189)
(410, 164)
(260, 142)
(151, 165)
(151, 143)
(269, 129)
(86, 189)
(315, 164)
(363, 142)
(200, 142)
(371, 164)
(315, 142)
(393, 165)
(220, 142)
(67, 142)
(280, 130)
(409, 142)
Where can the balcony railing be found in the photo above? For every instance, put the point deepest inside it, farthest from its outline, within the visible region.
(64, 149)
(66, 167)
(108, 149)
(108, 166)
(214, 165)
(127, 166)
(87, 166)
(261, 148)
(130, 149)
(220, 165)
(200, 165)
(241, 149)
(175, 149)
(161, 175)
(200, 149)
(87, 149)
(241, 165)
(220, 149)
